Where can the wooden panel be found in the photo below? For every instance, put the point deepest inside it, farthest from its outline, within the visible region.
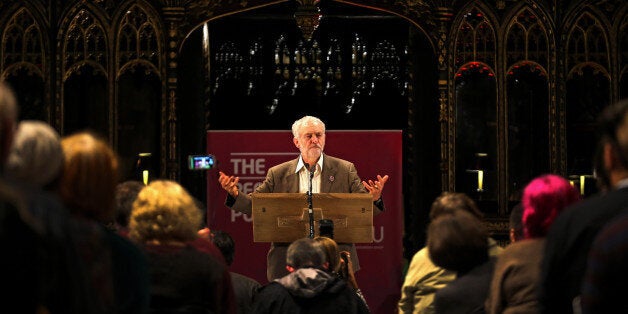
(283, 217)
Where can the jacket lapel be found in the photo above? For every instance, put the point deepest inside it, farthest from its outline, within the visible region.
(328, 175)
(291, 179)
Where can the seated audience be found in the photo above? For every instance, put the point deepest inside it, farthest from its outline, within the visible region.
(244, 287)
(309, 287)
(183, 279)
(569, 240)
(126, 192)
(87, 189)
(204, 241)
(516, 278)
(603, 289)
(33, 168)
(458, 242)
(40, 273)
(424, 278)
(340, 264)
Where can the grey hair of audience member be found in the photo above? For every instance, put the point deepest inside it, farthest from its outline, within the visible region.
(8, 118)
(36, 157)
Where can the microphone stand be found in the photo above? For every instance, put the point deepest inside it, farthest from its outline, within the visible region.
(309, 202)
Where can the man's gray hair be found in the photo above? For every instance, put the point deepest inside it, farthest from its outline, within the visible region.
(307, 120)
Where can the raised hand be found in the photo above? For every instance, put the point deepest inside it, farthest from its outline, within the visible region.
(376, 187)
(229, 183)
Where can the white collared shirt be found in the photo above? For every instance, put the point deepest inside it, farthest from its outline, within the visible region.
(304, 176)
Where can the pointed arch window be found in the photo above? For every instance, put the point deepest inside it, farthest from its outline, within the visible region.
(527, 103)
(85, 91)
(24, 64)
(528, 125)
(476, 131)
(588, 92)
(475, 40)
(22, 41)
(138, 38)
(476, 109)
(527, 40)
(139, 90)
(587, 42)
(85, 42)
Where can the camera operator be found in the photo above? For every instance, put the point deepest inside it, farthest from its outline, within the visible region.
(340, 263)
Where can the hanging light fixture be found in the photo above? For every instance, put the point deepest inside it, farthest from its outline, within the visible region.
(308, 16)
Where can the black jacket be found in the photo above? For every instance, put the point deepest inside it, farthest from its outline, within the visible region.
(308, 291)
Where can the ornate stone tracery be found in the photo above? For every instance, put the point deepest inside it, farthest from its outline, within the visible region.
(570, 44)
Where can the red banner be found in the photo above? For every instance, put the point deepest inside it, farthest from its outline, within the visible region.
(249, 154)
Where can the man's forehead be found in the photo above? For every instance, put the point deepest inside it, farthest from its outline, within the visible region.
(312, 128)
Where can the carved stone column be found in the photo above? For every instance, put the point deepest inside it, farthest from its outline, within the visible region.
(173, 17)
(447, 126)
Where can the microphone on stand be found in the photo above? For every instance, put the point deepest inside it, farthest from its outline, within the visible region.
(309, 199)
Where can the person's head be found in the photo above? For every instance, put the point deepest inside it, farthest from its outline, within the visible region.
(8, 120)
(224, 242)
(613, 137)
(89, 177)
(126, 193)
(309, 137)
(203, 209)
(602, 180)
(457, 241)
(448, 202)
(543, 199)
(164, 212)
(332, 252)
(36, 157)
(306, 253)
(515, 223)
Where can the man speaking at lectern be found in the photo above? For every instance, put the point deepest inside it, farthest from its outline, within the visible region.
(330, 175)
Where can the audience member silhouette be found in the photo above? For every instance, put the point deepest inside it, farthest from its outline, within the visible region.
(458, 242)
(44, 273)
(36, 157)
(24, 287)
(515, 223)
(183, 279)
(516, 278)
(602, 181)
(126, 192)
(604, 286)
(244, 287)
(33, 167)
(87, 188)
(424, 278)
(309, 287)
(340, 263)
(571, 234)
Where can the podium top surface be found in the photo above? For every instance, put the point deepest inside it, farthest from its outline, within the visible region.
(284, 217)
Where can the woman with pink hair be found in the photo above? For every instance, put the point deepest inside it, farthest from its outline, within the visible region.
(517, 272)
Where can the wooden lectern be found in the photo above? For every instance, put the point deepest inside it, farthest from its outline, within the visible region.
(283, 217)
